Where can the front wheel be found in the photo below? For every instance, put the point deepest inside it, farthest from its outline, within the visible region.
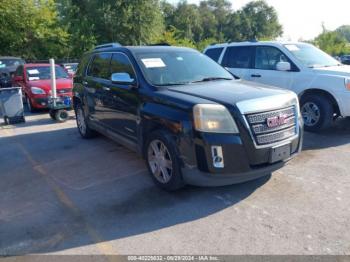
(30, 105)
(317, 112)
(162, 161)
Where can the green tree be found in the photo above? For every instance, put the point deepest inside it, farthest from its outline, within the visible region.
(344, 31)
(258, 20)
(31, 29)
(332, 42)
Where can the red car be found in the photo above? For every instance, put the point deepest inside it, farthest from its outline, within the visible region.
(36, 84)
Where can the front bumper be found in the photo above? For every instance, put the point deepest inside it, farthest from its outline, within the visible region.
(242, 161)
(42, 101)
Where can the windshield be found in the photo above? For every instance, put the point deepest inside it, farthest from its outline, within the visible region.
(10, 62)
(43, 73)
(311, 56)
(180, 67)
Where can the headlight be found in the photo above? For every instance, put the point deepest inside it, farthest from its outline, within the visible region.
(37, 90)
(213, 118)
(347, 83)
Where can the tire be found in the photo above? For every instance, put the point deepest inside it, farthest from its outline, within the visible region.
(61, 115)
(52, 114)
(165, 168)
(30, 105)
(6, 120)
(84, 130)
(317, 112)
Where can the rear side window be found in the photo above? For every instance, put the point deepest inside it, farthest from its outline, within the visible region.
(238, 57)
(99, 67)
(214, 53)
(121, 64)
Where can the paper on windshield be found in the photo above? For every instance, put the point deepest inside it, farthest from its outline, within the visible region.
(292, 47)
(32, 78)
(33, 71)
(153, 62)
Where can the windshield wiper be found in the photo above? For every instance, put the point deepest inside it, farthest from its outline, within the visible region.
(207, 79)
(173, 84)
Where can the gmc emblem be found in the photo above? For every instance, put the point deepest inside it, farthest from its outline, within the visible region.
(276, 121)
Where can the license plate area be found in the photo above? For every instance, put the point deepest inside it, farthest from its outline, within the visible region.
(280, 153)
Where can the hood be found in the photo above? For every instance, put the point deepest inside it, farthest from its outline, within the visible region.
(46, 84)
(343, 70)
(229, 92)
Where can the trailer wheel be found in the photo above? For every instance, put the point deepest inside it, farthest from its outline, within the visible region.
(52, 114)
(61, 115)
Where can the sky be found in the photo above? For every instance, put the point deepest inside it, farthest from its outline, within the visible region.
(302, 19)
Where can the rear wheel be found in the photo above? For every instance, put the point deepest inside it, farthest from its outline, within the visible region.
(317, 112)
(61, 115)
(162, 161)
(83, 127)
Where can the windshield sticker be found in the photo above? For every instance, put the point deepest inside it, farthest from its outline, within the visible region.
(2, 65)
(33, 71)
(179, 58)
(292, 47)
(153, 62)
(32, 78)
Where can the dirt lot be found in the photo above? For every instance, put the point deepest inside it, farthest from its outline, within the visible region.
(61, 194)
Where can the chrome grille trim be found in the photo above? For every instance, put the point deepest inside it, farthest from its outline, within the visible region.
(261, 117)
(276, 137)
(265, 135)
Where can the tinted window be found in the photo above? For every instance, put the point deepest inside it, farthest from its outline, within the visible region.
(267, 57)
(82, 65)
(214, 53)
(121, 64)
(100, 66)
(6, 62)
(19, 71)
(238, 57)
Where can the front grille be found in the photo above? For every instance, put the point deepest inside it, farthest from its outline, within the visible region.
(265, 133)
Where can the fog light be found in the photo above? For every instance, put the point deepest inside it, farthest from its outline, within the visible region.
(217, 156)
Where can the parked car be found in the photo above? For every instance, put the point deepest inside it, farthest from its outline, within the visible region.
(345, 59)
(5, 78)
(70, 68)
(191, 120)
(320, 81)
(10, 63)
(35, 80)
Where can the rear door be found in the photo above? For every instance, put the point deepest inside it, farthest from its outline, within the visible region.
(265, 72)
(96, 85)
(122, 100)
(239, 60)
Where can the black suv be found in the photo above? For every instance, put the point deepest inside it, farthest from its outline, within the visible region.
(191, 120)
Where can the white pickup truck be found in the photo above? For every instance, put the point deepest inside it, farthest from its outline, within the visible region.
(321, 82)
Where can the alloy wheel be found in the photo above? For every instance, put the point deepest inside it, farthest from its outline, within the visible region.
(160, 161)
(311, 114)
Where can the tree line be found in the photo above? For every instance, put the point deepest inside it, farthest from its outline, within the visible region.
(39, 29)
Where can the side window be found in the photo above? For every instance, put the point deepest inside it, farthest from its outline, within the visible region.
(267, 57)
(99, 66)
(121, 64)
(82, 65)
(214, 53)
(19, 71)
(238, 57)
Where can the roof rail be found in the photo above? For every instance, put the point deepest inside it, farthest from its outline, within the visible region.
(108, 45)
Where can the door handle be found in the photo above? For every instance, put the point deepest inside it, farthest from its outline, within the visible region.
(106, 88)
(255, 75)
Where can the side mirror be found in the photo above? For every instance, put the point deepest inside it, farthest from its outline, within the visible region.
(283, 66)
(18, 78)
(122, 78)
